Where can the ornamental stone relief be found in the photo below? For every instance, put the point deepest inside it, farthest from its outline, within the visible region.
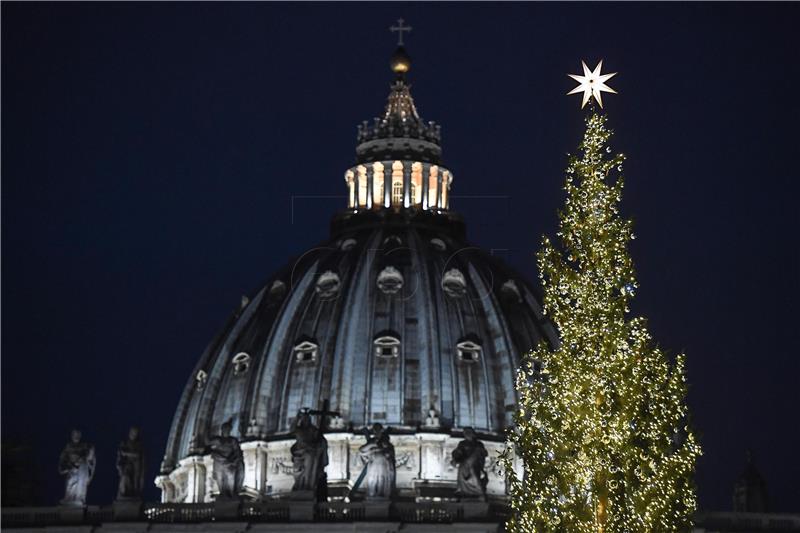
(406, 460)
(281, 464)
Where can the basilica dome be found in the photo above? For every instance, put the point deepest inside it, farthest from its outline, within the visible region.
(395, 319)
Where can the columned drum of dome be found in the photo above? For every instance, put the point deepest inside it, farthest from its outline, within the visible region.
(395, 320)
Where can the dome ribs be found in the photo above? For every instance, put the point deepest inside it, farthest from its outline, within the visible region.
(498, 364)
(352, 362)
(238, 389)
(178, 441)
(268, 399)
(466, 384)
(198, 429)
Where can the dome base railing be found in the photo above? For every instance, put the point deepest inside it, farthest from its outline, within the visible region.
(285, 511)
(282, 510)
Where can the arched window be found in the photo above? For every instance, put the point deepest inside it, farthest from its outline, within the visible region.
(390, 280)
(305, 352)
(433, 179)
(241, 363)
(468, 351)
(362, 186)
(454, 283)
(201, 378)
(387, 346)
(377, 184)
(351, 189)
(416, 183)
(348, 244)
(397, 193)
(447, 179)
(328, 285)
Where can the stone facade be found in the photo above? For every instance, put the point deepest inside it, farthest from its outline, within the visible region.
(422, 461)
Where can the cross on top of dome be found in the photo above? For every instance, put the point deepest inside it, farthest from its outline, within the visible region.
(401, 62)
(400, 29)
(388, 136)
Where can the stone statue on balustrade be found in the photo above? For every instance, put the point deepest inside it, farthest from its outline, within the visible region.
(77, 464)
(309, 454)
(470, 457)
(130, 466)
(378, 477)
(228, 463)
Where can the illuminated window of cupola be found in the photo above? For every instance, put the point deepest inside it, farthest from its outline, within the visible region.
(377, 184)
(349, 177)
(397, 193)
(416, 183)
(446, 179)
(397, 184)
(432, 183)
(362, 186)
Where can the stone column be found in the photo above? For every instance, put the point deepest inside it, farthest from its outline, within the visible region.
(357, 184)
(255, 468)
(406, 183)
(497, 483)
(349, 189)
(164, 483)
(195, 478)
(387, 183)
(338, 456)
(370, 174)
(432, 460)
(439, 188)
(279, 460)
(446, 185)
(426, 169)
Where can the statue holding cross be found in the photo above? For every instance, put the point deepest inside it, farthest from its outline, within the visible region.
(310, 452)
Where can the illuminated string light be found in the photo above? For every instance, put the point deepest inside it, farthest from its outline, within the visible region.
(602, 427)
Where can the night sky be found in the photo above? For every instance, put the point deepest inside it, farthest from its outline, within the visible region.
(150, 154)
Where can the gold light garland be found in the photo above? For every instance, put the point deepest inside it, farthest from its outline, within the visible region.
(601, 431)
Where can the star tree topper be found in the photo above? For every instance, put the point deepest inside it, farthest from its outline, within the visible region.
(592, 83)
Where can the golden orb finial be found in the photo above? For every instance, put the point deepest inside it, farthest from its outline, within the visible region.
(401, 62)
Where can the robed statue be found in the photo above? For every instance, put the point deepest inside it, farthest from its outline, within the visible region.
(470, 456)
(228, 462)
(379, 467)
(76, 463)
(309, 454)
(130, 466)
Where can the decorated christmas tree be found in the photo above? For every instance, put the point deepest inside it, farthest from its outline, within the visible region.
(602, 434)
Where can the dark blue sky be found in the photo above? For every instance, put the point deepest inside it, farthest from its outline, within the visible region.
(150, 153)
